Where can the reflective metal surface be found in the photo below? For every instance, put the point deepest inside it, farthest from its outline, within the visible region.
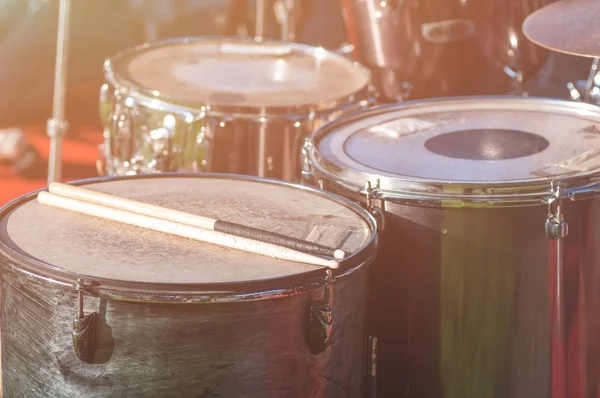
(302, 335)
(435, 48)
(487, 288)
(168, 124)
(566, 26)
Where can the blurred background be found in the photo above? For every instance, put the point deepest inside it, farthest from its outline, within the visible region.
(101, 28)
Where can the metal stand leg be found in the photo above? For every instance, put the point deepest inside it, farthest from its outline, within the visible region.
(57, 126)
(261, 8)
(590, 81)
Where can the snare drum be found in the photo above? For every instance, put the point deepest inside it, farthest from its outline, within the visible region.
(227, 105)
(477, 290)
(181, 318)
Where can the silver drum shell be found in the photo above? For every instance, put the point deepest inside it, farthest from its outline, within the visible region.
(264, 142)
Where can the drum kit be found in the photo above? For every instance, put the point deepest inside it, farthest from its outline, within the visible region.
(467, 221)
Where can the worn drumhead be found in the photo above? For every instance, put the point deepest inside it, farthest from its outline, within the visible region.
(241, 73)
(475, 140)
(104, 249)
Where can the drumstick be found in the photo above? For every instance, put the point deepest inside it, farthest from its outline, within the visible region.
(100, 198)
(182, 230)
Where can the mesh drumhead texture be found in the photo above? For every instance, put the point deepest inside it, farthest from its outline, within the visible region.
(469, 141)
(242, 73)
(87, 245)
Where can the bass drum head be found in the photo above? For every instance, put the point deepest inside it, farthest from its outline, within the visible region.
(105, 250)
(467, 142)
(239, 72)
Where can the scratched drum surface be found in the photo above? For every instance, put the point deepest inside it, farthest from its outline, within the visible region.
(91, 246)
(246, 74)
(177, 317)
(487, 142)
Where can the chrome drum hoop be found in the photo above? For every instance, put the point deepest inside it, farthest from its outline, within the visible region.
(212, 293)
(320, 172)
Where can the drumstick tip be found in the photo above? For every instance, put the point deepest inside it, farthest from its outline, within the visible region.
(339, 254)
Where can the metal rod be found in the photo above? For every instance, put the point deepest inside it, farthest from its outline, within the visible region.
(286, 22)
(259, 30)
(57, 126)
(289, 20)
(590, 82)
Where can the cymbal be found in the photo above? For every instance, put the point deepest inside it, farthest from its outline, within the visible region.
(566, 26)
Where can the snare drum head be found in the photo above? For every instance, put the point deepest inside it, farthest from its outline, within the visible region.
(103, 249)
(467, 141)
(238, 72)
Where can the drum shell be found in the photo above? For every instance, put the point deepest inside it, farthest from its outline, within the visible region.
(247, 348)
(443, 47)
(263, 142)
(463, 300)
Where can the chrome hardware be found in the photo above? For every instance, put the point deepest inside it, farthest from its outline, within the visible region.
(345, 49)
(555, 226)
(557, 229)
(320, 325)
(516, 77)
(203, 151)
(121, 138)
(390, 4)
(163, 151)
(376, 211)
(587, 90)
(84, 329)
(372, 367)
(573, 92)
(307, 176)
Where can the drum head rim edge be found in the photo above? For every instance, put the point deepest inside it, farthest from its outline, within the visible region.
(122, 290)
(129, 88)
(440, 192)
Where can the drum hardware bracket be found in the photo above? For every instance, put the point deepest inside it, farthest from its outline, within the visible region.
(556, 227)
(372, 367)
(370, 191)
(320, 325)
(307, 176)
(84, 328)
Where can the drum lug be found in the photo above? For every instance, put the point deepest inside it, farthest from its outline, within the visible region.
(84, 329)
(370, 193)
(555, 226)
(121, 134)
(345, 50)
(320, 325)
(307, 176)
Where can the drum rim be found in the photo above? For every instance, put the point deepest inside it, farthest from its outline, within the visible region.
(447, 193)
(137, 291)
(153, 99)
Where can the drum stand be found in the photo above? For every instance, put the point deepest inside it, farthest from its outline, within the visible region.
(57, 126)
(587, 90)
(286, 12)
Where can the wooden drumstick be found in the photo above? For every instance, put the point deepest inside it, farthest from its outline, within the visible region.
(100, 198)
(182, 230)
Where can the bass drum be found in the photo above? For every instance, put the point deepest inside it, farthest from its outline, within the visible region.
(437, 48)
(486, 282)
